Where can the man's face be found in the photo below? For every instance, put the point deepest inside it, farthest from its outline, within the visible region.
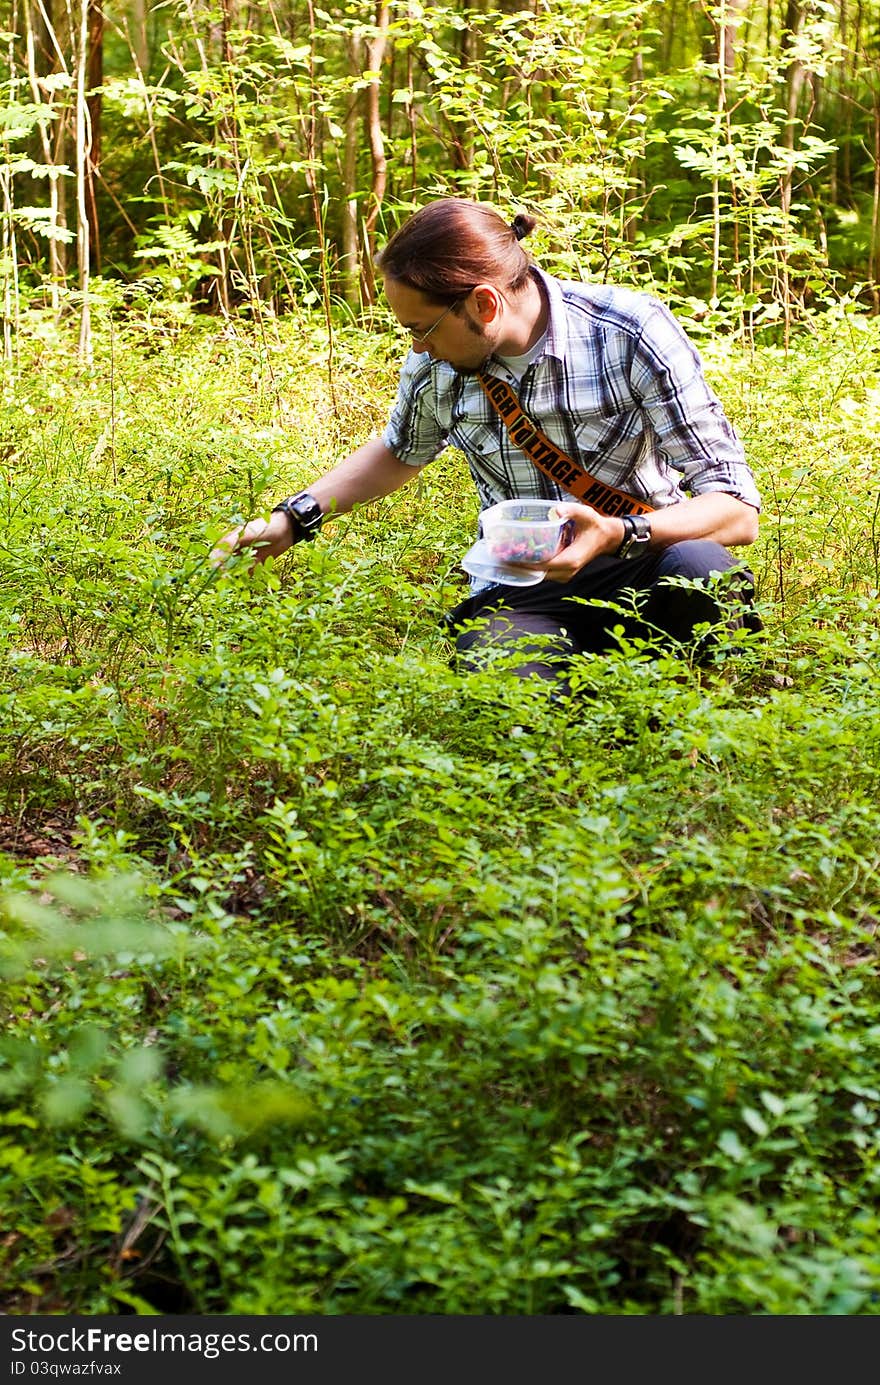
(458, 336)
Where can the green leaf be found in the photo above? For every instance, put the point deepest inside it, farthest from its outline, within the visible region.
(729, 1144)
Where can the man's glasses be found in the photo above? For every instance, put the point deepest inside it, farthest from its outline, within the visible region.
(423, 336)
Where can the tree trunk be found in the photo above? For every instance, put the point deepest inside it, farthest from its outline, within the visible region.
(39, 21)
(138, 36)
(94, 97)
(462, 149)
(411, 121)
(82, 165)
(874, 265)
(794, 81)
(636, 185)
(350, 266)
(376, 46)
(9, 251)
(40, 58)
(736, 11)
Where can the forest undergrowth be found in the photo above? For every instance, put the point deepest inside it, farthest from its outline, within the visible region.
(335, 981)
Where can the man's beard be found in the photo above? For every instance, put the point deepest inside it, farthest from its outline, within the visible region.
(478, 330)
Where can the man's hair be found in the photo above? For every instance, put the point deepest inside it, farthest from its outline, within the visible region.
(450, 246)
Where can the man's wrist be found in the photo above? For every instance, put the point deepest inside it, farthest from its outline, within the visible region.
(303, 513)
(613, 532)
(636, 538)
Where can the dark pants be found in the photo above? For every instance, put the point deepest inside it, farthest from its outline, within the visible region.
(548, 626)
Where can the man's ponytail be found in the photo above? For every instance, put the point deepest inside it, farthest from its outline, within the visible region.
(450, 246)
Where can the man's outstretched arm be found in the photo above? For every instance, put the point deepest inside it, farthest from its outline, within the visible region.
(368, 474)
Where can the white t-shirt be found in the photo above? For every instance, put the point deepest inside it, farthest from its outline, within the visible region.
(518, 365)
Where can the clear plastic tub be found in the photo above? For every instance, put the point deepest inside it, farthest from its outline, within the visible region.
(522, 531)
(518, 535)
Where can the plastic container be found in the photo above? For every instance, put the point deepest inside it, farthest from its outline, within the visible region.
(522, 531)
(518, 535)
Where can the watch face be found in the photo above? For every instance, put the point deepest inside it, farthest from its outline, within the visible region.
(304, 515)
(307, 510)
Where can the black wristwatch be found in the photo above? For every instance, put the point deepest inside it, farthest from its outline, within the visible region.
(303, 512)
(636, 536)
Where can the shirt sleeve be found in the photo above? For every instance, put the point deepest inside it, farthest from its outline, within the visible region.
(414, 433)
(688, 419)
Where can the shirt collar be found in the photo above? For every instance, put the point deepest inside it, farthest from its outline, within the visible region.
(557, 323)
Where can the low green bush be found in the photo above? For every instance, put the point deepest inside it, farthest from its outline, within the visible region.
(335, 981)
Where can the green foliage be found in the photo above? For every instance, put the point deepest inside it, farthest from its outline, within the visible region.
(738, 174)
(335, 981)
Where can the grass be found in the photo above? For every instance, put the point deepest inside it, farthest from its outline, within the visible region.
(336, 982)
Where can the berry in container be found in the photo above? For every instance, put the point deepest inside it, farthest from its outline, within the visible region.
(524, 531)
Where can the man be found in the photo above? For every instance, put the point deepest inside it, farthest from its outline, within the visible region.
(552, 390)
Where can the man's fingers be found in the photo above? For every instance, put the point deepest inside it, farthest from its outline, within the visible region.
(225, 548)
(254, 535)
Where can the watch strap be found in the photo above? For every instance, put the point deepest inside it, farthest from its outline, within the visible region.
(636, 536)
(628, 530)
(303, 513)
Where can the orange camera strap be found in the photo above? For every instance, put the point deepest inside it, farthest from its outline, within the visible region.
(550, 459)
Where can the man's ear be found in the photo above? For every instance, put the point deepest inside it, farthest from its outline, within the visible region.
(487, 302)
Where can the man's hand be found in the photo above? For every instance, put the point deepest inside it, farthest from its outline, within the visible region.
(268, 539)
(594, 533)
(367, 474)
(715, 515)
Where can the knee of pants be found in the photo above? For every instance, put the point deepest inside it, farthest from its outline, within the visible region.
(703, 559)
(695, 558)
(678, 610)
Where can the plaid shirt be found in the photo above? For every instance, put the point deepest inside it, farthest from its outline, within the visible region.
(618, 386)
